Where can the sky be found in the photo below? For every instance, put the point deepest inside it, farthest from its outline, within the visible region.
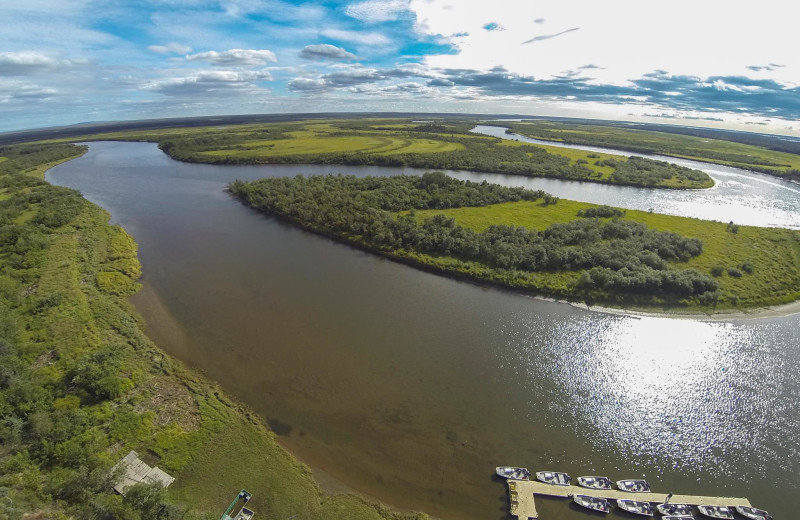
(731, 64)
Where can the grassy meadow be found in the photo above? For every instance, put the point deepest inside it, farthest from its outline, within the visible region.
(718, 151)
(771, 256)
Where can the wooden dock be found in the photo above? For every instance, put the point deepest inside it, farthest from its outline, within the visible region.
(522, 493)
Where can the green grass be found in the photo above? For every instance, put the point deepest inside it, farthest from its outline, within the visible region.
(774, 253)
(677, 145)
(302, 144)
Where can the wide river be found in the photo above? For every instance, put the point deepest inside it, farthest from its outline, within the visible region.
(411, 387)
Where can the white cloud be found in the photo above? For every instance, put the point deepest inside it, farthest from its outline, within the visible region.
(22, 63)
(326, 52)
(170, 48)
(376, 11)
(16, 91)
(235, 57)
(369, 38)
(210, 82)
(626, 41)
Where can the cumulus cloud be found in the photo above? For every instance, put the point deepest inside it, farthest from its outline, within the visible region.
(326, 52)
(376, 11)
(23, 63)
(210, 82)
(235, 57)
(15, 91)
(170, 48)
(370, 38)
(307, 85)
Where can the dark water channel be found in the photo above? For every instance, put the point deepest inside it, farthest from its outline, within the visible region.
(411, 387)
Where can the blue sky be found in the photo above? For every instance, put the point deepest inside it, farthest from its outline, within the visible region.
(731, 64)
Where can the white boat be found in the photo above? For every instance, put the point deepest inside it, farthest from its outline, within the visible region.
(677, 517)
(716, 512)
(675, 509)
(753, 513)
(593, 503)
(513, 473)
(554, 477)
(634, 486)
(595, 482)
(636, 507)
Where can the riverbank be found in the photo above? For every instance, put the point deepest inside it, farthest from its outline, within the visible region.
(83, 384)
(535, 243)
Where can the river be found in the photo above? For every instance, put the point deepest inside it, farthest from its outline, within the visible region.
(411, 387)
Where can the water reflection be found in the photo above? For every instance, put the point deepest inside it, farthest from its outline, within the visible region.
(739, 195)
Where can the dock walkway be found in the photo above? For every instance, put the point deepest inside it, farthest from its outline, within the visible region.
(522, 493)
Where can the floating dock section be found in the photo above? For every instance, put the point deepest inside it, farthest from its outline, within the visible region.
(522, 493)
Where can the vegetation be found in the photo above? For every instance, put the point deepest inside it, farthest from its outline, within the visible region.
(776, 162)
(444, 145)
(440, 223)
(81, 384)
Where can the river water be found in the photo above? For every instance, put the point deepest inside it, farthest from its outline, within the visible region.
(411, 387)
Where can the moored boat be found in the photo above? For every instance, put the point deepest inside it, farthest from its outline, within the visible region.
(636, 507)
(675, 509)
(593, 503)
(554, 477)
(634, 486)
(595, 482)
(716, 512)
(753, 513)
(513, 473)
(677, 517)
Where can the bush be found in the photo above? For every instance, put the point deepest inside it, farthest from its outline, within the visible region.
(732, 271)
(717, 270)
(747, 267)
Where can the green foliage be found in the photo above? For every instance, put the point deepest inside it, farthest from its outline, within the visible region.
(620, 257)
(717, 270)
(732, 271)
(429, 146)
(752, 153)
(601, 212)
(79, 384)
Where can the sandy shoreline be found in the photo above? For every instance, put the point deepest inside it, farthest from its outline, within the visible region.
(757, 313)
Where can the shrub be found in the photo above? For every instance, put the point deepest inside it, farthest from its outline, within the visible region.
(717, 270)
(732, 271)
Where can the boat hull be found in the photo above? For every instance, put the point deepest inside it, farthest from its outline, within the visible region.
(635, 506)
(716, 512)
(595, 482)
(675, 509)
(634, 486)
(513, 473)
(753, 513)
(553, 477)
(595, 504)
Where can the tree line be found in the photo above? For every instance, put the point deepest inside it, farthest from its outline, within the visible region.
(476, 154)
(615, 256)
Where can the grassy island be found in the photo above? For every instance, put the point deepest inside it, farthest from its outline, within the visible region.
(532, 241)
(81, 384)
(444, 145)
(784, 163)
